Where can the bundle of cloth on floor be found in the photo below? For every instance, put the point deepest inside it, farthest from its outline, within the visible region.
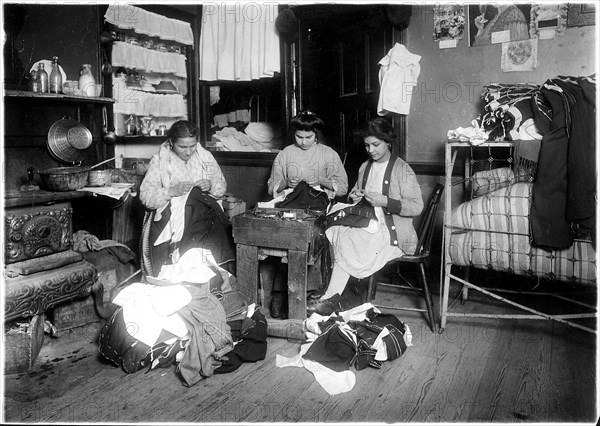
(351, 340)
(184, 316)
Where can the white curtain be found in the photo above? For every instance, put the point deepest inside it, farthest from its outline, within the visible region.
(238, 41)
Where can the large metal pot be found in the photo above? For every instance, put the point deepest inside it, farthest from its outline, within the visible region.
(64, 178)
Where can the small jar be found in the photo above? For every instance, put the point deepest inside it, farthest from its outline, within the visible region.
(131, 126)
(35, 83)
(87, 82)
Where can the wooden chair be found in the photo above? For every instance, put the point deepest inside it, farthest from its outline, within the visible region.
(419, 257)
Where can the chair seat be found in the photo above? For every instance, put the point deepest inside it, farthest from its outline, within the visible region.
(412, 258)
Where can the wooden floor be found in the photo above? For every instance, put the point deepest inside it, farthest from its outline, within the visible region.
(478, 370)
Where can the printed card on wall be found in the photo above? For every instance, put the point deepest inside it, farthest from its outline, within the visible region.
(548, 20)
(497, 23)
(519, 55)
(448, 24)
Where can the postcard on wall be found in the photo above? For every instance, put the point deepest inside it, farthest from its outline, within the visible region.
(497, 23)
(448, 22)
(548, 20)
(519, 55)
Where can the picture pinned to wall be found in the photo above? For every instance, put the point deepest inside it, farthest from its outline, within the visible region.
(497, 23)
(548, 20)
(519, 55)
(582, 14)
(448, 24)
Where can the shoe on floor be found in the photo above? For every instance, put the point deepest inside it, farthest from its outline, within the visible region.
(325, 306)
(277, 307)
(315, 295)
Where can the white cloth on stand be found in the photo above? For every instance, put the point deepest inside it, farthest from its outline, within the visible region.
(398, 74)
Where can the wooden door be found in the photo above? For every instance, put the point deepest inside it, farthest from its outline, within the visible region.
(339, 51)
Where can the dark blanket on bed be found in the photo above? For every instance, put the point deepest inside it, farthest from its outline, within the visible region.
(565, 187)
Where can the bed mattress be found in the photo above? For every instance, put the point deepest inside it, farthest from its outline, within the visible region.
(492, 231)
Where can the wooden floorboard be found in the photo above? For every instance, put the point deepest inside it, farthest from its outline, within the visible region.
(478, 370)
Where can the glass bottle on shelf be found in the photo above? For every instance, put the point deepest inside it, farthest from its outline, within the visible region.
(55, 83)
(131, 126)
(87, 82)
(43, 78)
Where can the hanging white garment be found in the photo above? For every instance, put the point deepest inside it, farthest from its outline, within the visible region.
(238, 41)
(398, 73)
(127, 16)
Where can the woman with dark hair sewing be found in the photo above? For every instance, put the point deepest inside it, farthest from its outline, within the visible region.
(309, 174)
(390, 185)
(182, 185)
(308, 161)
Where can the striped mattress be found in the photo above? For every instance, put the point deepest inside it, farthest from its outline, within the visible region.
(492, 232)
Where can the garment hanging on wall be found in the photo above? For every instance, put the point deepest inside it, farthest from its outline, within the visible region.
(398, 74)
(238, 44)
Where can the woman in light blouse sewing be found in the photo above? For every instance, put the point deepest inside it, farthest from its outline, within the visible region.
(308, 160)
(317, 165)
(182, 167)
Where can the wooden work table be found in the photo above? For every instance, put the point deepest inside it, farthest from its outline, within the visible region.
(257, 229)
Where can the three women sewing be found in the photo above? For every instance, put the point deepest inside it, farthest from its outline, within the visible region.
(183, 169)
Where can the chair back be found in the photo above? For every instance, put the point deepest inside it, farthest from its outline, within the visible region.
(425, 231)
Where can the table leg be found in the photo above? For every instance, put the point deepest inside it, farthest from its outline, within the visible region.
(297, 284)
(247, 270)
